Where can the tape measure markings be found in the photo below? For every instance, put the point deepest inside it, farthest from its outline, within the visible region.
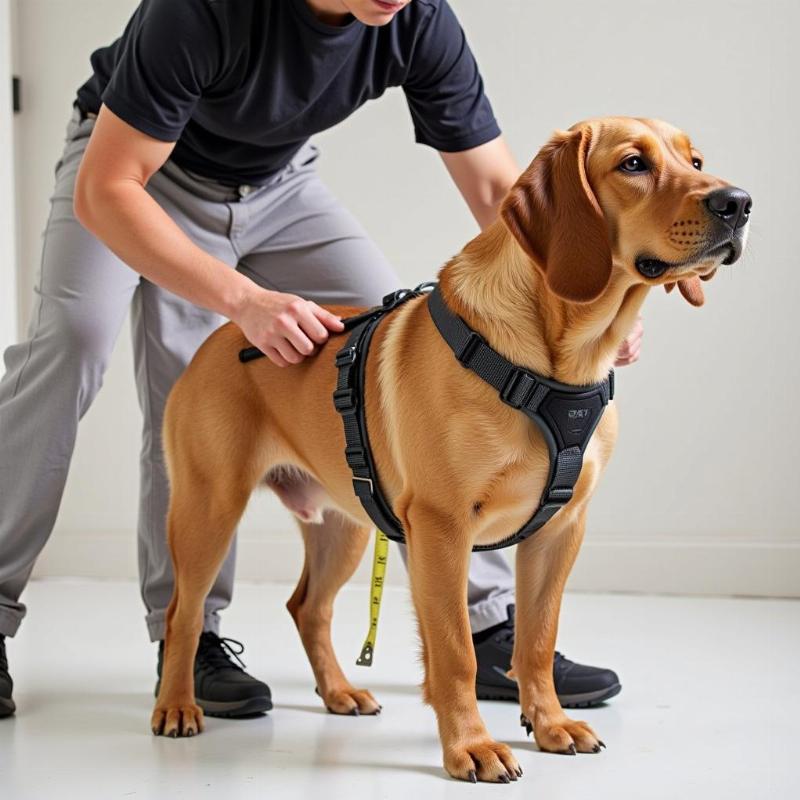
(379, 559)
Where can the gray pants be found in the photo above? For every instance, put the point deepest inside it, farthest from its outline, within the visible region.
(290, 235)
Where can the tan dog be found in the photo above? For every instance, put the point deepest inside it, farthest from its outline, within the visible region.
(605, 212)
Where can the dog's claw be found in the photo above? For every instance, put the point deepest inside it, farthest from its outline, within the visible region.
(571, 750)
(519, 772)
(601, 743)
(472, 776)
(512, 776)
(596, 748)
(504, 778)
(355, 712)
(173, 734)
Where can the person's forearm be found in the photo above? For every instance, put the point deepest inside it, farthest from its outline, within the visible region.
(484, 176)
(142, 234)
(486, 206)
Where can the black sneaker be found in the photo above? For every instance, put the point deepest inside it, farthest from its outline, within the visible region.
(577, 686)
(222, 687)
(7, 707)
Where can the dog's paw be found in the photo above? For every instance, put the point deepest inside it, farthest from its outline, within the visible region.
(563, 735)
(177, 720)
(482, 760)
(350, 701)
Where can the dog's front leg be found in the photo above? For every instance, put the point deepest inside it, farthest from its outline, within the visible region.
(438, 564)
(543, 564)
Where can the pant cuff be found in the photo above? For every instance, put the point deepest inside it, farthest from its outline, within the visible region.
(490, 612)
(9, 622)
(157, 624)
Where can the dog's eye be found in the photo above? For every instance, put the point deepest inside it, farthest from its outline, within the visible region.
(634, 164)
(697, 164)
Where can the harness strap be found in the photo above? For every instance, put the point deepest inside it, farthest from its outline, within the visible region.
(567, 415)
(348, 400)
(518, 387)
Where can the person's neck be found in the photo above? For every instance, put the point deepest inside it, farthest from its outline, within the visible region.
(493, 285)
(331, 12)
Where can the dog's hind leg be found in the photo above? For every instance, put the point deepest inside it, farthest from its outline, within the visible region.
(201, 524)
(215, 460)
(333, 549)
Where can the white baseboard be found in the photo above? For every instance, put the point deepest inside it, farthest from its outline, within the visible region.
(764, 569)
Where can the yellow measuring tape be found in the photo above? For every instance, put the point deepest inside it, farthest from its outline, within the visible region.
(376, 593)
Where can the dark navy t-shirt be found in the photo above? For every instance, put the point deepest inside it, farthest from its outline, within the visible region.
(240, 85)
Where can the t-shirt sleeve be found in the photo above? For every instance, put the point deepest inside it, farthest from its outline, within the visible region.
(444, 88)
(172, 54)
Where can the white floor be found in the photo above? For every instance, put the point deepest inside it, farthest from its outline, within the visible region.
(709, 707)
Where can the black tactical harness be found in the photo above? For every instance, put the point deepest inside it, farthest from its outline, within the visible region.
(567, 415)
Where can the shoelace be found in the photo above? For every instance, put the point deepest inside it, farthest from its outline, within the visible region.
(560, 663)
(217, 652)
(506, 636)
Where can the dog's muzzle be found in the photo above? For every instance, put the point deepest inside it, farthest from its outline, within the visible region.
(730, 208)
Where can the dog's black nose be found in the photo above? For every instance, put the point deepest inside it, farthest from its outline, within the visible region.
(731, 205)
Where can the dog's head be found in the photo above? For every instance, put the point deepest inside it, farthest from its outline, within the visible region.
(630, 194)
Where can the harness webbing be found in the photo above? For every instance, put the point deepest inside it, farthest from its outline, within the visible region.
(567, 415)
(348, 400)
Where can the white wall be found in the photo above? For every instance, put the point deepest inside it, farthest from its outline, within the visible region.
(701, 495)
(8, 258)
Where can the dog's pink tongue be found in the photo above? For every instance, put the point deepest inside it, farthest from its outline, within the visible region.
(692, 291)
(690, 288)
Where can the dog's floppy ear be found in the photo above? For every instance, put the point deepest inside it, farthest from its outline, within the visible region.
(554, 215)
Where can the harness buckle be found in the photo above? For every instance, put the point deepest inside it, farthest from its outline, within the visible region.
(347, 355)
(561, 496)
(358, 483)
(344, 400)
(395, 298)
(473, 342)
(355, 457)
(518, 388)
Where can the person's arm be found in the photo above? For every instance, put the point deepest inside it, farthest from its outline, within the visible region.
(484, 176)
(112, 203)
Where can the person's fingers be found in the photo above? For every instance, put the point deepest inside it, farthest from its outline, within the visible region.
(311, 326)
(275, 357)
(635, 340)
(623, 352)
(626, 358)
(289, 329)
(330, 321)
(288, 351)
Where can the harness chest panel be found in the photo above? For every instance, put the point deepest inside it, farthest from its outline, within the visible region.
(567, 415)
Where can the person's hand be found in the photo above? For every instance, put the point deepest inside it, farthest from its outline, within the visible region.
(285, 327)
(631, 346)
